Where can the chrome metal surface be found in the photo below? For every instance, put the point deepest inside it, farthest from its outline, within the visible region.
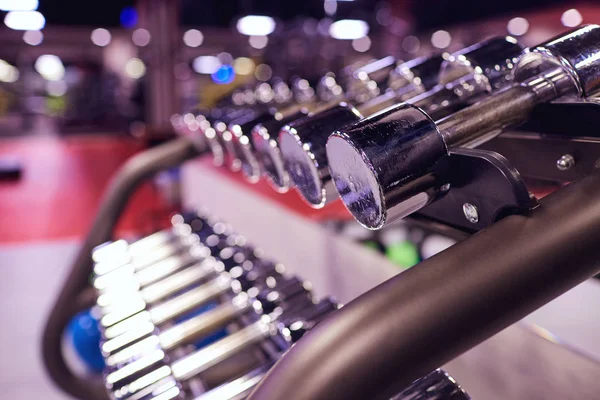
(305, 152)
(363, 84)
(201, 360)
(418, 75)
(171, 308)
(366, 160)
(302, 145)
(565, 162)
(471, 213)
(576, 52)
(375, 172)
(139, 256)
(183, 333)
(264, 138)
(203, 324)
(492, 59)
(237, 389)
(240, 145)
(469, 74)
(437, 385)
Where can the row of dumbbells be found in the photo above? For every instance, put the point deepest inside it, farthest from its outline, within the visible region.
(196, 312)
(375, 135)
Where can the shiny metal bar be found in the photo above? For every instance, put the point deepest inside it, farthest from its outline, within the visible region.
(172, 308)
(237, 389)
(198, 362)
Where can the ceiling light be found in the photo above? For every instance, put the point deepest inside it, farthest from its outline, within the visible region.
(25, 20)
(441, 39)
(571, 18)
(256, 25)
(206, 64)
(101, 37)
(258, 42)
(33, 38)
(19, 5)
(517, 26)
(193, 38)
(141, 37)
(50, 67)
(135, 68)
(349, 29)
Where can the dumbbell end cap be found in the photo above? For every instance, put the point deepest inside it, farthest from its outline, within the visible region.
(356, 181)
(577, 52)
(302, 167)
(248, 161)
(269, 156)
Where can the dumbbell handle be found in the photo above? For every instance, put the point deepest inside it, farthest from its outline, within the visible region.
(174, 307)
(202, 324)
(239, 388)
(198, 362)
(160, 290)
(184, 332)
(262, 329)
(484, 120)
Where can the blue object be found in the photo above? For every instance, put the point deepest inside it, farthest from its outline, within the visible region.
(85, 335)
(213, 337)
(224, 75)
(129, 17)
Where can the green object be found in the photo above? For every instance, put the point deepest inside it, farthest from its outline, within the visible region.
(403, 254)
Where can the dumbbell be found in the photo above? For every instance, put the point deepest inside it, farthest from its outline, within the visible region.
(215, 127)
(168, 259)
(217, 278)
(125, 332)
(139, 373)
(240, 130)
(367, 81)
(214, 236)
(258, 332)
(361, 84)
(110, 256)
(237, 389)
(290, 331)
(236, 135)
(437, 385)
(286, 293)
(463, 77)
(382, 166)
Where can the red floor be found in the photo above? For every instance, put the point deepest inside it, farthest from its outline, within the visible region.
(62, 183)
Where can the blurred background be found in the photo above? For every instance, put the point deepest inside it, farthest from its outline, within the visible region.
(86, 84)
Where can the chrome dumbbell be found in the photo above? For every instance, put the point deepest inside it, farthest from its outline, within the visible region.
(147, 251)
(141, 373)
(123, 294)
(464, 77)
(382, 167)
(201, 283)
(127, 331)
(241, 130)
(290, 331)
(437, 385)
(361, 83)
(364, 83)
(226, 147)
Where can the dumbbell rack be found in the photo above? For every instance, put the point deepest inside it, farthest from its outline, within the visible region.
(342, 268)
(171, 330)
